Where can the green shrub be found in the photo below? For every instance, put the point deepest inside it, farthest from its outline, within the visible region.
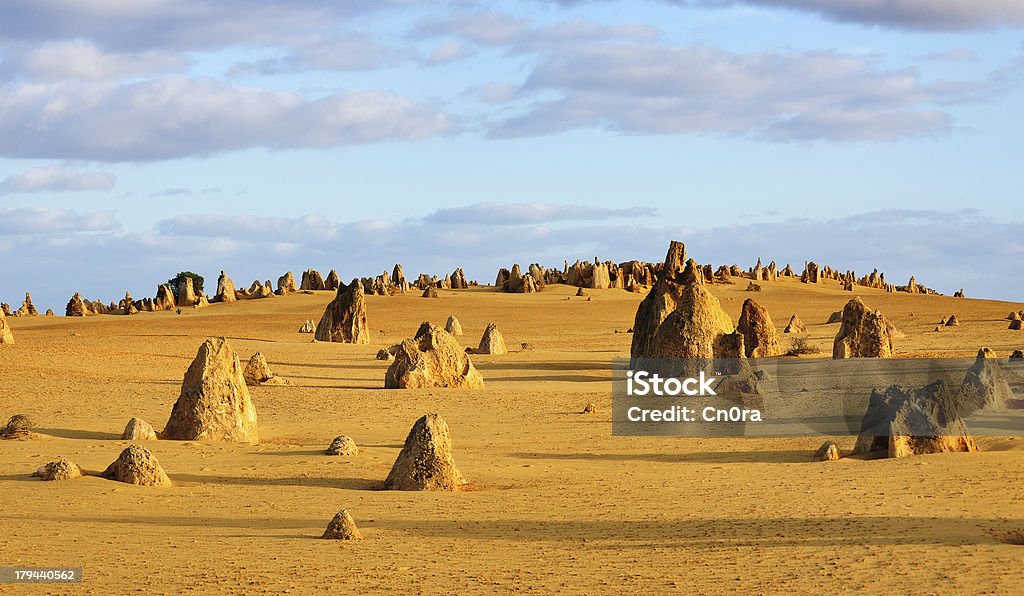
(176, 281)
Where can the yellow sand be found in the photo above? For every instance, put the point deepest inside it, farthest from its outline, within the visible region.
(557, 502)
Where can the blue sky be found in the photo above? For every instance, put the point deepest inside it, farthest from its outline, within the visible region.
(139, 139)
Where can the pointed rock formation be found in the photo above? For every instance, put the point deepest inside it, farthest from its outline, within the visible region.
(696, 328)
(453, 326)
(660, 301)
(342, 527)
(186, 292)
(312, 280)
(399, 280)
(760, 338)
(902, 422)
(863, 334)
(257, 371)
(344, 319)
(343, 445)
(6, 335)
(984, 387)
(164, 298)
(137, 465)
(307, 327)
(952, 321)
(426, 462)
(332, 282)
(138, 429)
(1017, 355)
(433, 358)
(459, 279)
(60, 469)
(795, 325)
(27, 308)
(286, 284)
(214, 404)
(225, 289)
(429, 292)
(492, 342)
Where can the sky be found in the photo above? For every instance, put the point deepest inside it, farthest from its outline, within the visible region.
(139, 139)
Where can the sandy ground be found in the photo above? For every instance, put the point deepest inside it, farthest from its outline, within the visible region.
(558, 503)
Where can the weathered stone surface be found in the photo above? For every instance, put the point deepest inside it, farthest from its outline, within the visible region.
(760, 338)
(492, 341)
(59, 469)
(164, 298)
(901, 422)
(429, 292)
(225, 289)
(342, 527)
(864, 333)
(138, 429)
(659, 302)
(18, 426)
(433, 358)
(344, 319)
(984, 387)
(307, 327)
(696, 328)
(795, 325)
(214, 404)
(186, 292)
(137, 465)
(257, 371)
(343, 445)
(453, 326)
(6, 335)
(312, 280)
(828, 451)
(27, 309)
(286, 284)
(426, 462)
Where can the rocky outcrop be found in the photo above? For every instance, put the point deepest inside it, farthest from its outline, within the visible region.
(214, 404)
(863, 334)
(433, 358)
(332, 282)
(286, 284)
(829, 451)
(225, 289)
(795, 325)
(344, 319)
(695, 329)
(186, 292)
(137, 465)
(492, 341)
(429, 292)
(662, 299)
(401, 284)
(901, 422)
(165, 299)
(458, 279)
(27, 309)
(6, 335)
(453, 326)
(760, 338)
(984, 387)
(342, 527)
(312, 280)
(60, 469)
(138, 429)
(426, 462)
(344, 446)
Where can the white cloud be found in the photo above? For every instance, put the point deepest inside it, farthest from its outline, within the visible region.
(779, 96)
(83, 60)
(56, 179)
(22, 221)
(179, 117)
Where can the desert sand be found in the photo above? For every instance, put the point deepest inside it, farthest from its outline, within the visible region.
(554, 501)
